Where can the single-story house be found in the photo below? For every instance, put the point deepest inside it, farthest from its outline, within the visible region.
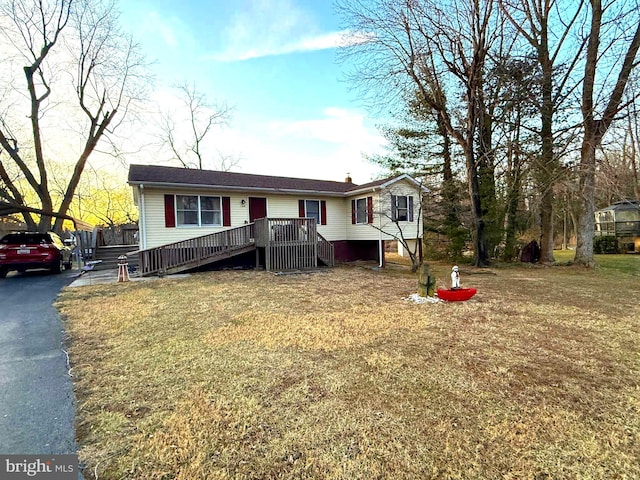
(178, 204)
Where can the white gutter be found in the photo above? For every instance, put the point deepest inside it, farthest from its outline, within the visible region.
(380, 249)
(142, 241)
(228, 188)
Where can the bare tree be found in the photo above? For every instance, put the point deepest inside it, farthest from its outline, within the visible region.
(607, 33)
(69, 50)
(184, 131)
(547, 27)
(432, 47)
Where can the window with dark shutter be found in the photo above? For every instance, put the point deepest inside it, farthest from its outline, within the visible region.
(361, 210)
(353, 212)
(323, 212)
(401, 208)
(301, 209)
(369, 209)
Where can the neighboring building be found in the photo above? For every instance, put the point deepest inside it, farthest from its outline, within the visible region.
(622, 220)
(177, 204)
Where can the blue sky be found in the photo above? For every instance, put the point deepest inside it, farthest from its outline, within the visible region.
(275, 62)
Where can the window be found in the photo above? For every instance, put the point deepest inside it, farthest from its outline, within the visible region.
(187, 209)
(402, 209)
(198, 210)
(361, 211)
(312, 210)
(210, 211)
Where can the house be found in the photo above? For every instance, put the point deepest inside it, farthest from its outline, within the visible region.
(622, 220)
(177, 205)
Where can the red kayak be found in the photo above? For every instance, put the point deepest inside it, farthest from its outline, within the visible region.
(457, 295)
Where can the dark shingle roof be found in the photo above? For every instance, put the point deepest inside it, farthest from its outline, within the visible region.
(154, 174)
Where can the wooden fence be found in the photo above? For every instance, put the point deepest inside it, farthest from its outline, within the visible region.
(118, 235)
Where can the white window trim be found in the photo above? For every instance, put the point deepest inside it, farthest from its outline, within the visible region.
(366, 211)
(397, 208)
(306, 214)
(200, 224)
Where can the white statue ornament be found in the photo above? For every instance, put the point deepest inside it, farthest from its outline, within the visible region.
(455, 278)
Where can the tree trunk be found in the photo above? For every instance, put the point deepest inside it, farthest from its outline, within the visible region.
(479, 238)
(547, 168)
(546, 226)
(513, 198)
(586, 219)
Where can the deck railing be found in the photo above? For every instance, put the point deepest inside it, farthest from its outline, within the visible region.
(325, 251)
(196, 251)
(289, 244)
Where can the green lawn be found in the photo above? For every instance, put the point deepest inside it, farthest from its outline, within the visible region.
(332, 375)
(608, 264)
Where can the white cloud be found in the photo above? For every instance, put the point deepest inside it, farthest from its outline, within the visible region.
(338, 125)
(276, 27)
(161, 31)
(323, 41)
(325, 148)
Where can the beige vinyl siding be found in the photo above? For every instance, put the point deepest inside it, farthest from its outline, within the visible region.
(156, 232)
(287, 206)
(409, 229)
(386, 229)
(277, 206)
(338, 226)
(338, 217)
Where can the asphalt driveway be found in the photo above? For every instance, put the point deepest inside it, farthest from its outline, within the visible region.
(37, 404)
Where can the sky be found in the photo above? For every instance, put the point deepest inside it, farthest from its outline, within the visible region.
(275, 62)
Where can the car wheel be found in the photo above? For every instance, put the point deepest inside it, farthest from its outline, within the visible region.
(3, 272)
(56, 267)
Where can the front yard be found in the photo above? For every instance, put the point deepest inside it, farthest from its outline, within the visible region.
(333, 375)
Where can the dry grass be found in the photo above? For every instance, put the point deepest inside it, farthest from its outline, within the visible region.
(248, 375)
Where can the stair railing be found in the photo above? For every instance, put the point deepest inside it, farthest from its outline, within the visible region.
(194, 251)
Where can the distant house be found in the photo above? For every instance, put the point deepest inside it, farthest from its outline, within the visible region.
(622, 220)
(177, 204)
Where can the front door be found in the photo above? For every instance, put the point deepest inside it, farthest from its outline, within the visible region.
(257, 208)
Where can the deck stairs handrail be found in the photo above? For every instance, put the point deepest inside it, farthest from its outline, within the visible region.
(198, 251)
(325, 251)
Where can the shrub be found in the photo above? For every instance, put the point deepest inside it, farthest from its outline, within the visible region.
(605, 244)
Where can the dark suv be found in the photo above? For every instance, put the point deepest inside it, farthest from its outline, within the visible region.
(25, 250)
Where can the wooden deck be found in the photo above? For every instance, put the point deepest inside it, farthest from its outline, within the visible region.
(286, 244)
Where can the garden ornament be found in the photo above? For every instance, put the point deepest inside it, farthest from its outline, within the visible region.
(455, 278)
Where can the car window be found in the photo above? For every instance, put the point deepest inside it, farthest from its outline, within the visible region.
(25, 238)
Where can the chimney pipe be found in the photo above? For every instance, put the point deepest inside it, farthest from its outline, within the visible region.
(348, 179)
